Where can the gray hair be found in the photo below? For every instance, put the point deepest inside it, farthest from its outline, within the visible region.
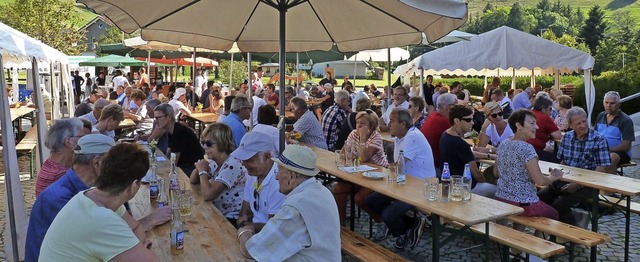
(299, 103)
(166, 109)
(85, 159)
(61, 129)
(404, 116)
(445, 100)
(542, 102)
(341, 94)
(238, 103)
(574, 111)
(613, 94)
(363, 104)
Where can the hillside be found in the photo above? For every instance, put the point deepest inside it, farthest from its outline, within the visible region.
(476, 6)
(84, 14)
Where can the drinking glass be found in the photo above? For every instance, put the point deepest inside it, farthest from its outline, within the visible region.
(457, 188)
(186, 201)
(431, 188)
(339, 158)
(392, 173)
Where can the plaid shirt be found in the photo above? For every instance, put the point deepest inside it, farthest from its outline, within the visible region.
(589, 153)
(311, 130)
(332, 120)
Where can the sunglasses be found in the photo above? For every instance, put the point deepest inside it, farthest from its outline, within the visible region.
(496, 114)
(208, 143)
(468, 120)
(256, 196)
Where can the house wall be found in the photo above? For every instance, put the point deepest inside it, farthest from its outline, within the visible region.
(94, 31)
(342, 68)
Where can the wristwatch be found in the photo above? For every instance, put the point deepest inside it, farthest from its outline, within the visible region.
(203, 173)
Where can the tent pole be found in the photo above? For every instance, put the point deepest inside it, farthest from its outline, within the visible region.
(297, 73)
(513, 78)
(355, 69)
(250, 84)
(283, 29)
(421, 84)
(193, 80)
(231, 73)
(389, 75)
(149, 63)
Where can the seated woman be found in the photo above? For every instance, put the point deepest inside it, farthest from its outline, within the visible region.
(494, 130)
(455, 151)
(306, 227)
(221, 180)
(564, 104)
(416, 107)
(366, 132)
(216, 101)
(518, 169)
(542, 107)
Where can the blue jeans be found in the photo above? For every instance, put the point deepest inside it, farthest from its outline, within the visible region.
(392, 212)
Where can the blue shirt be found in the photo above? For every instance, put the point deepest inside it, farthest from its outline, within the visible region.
(237, 128)
(45, 209)
(620, 129)
(521, 100)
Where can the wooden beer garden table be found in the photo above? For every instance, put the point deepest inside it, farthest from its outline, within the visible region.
(204, 119)
(17, 114)
(126, 123)
(476, 211)
(210, 235)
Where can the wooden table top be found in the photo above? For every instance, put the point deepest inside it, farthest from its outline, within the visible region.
(287, 114)
(386, 137)
(20, 112)
(312, 102)
(478, 210)
(206, 118)
(126, 123)
(210, 237)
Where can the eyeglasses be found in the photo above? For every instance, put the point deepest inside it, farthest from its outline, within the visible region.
(158, 117)
(256, 197)
(208, 143)
(496, 114)
(468, 120)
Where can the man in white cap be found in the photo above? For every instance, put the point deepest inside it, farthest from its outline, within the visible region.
(178, 103)
(262, 197)
(82, 175)
(306, 227)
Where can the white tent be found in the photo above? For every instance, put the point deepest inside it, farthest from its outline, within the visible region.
(19, 50)
(506, 52)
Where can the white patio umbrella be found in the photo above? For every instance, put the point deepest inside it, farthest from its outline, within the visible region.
(455, 36)
(352, 25)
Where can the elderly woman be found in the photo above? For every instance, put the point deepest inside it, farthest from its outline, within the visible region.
(373, 152)
(455, 151)
(518, 169)
(416, 107)
(306, 227)
(546, 128)
(110, 118)
(61, 140)
(222, 179)
(494, 130)
(564, 103)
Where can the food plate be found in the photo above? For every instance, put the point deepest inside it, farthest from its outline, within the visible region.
(373, 175)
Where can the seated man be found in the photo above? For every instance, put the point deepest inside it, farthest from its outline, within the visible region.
(399, 100)
(182, 140)
(306, 227)
(94, 115)
(180, 110)
(90, 227)
(110, 119)
(82, 175)
(617, 128)
(419, 163)
(240, 110)
(307, 124)
(582, 148)
(333, 118)
(87, 105)
(262, 198)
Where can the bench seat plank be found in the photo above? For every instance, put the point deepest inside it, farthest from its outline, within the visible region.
(556, 228)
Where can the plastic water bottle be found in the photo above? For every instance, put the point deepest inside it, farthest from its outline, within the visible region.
(466, 181)
(177, 234)
(162, 199)
(445, 179)
(174, 183)
(402, 169)
(153, 182)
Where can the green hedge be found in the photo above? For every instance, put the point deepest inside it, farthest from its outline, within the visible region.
(623, 83)
(476, 85)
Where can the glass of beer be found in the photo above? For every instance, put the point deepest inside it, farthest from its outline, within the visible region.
(186, 202)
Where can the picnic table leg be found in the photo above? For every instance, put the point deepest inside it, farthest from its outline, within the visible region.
(352, 195)
(626, 229)
(594, 221)
(435, 234)
(487, 250)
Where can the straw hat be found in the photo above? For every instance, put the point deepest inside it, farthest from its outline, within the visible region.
(299, 159)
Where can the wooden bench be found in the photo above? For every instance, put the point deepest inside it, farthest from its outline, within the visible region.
(363, 249)
(509, 237)
(27, 145)
(573, 234)
(609, 201)
(622, 166)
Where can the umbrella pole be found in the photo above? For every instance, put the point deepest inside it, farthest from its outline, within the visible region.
(149, 63)
(193, 80)
(250, 87)
(283, 11)
(355, 69)
(297, 72)
(231, 73)
(389, 75)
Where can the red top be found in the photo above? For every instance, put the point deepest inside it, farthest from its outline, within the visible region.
(273, 100)
(546, 126)
(49, 172)
(432, 129)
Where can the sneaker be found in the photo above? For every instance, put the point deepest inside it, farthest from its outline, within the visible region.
(381, 233)
(401, 242)
(415, 233)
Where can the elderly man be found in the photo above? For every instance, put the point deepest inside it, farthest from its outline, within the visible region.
(334, 117)
(93, 225)
(582, 147)
(399, 100)
(498, 96)
(240, 110)
(61, 140)
(617, 128)
(82, 175)
(522, 100)
(182, 140)
(262, 198)
(307, 215)
(110, 118)
(94, 115)
(419, 163)
(307, 124)
(87, 105)
(126, 103)
(178, 103)
(437, 123)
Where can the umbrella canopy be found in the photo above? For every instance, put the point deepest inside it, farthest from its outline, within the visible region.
(113, 60)
(316, 24)
(304, 57)
(122, 50)
(455, 36)
(381, 55)
(200, 61)
(139, 43)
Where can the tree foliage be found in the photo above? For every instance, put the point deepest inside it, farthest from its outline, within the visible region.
(594, 27)
(53, 22)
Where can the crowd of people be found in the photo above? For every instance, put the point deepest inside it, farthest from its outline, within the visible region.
(271, 194)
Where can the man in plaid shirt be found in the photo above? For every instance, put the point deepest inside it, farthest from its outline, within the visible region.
(583, 148)
(333, 118)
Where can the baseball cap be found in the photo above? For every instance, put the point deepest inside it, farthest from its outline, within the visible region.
(179, 91)
(94, 144)
(252, 143)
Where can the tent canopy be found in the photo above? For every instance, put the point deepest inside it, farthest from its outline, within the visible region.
(17, 47)
(113, 60)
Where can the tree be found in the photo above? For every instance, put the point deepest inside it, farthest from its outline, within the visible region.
(488, 8)
(53, 22)
(592, 32)
(516, 17)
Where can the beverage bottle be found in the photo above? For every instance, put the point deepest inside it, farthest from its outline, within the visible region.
(174, 183)
(177, 234)
(445, 180)
(466, 181)
(402, 173)
(162, 199)
(153, 182)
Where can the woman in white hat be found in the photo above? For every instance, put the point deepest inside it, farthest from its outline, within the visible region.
(306, 227)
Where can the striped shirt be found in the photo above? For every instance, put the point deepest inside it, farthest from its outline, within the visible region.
(49, 172)
(309, 126)
(332, 120)
(374, 142)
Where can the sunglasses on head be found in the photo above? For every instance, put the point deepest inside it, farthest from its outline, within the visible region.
(496, 114)
(207, 143)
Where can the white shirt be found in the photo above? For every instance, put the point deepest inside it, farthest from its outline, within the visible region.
(273, 134)
(269, 196)
(386, 114)
(200, 80)
(417, 153)
(119, 81)
(177, 105)
(257, 103)
(89, 117)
